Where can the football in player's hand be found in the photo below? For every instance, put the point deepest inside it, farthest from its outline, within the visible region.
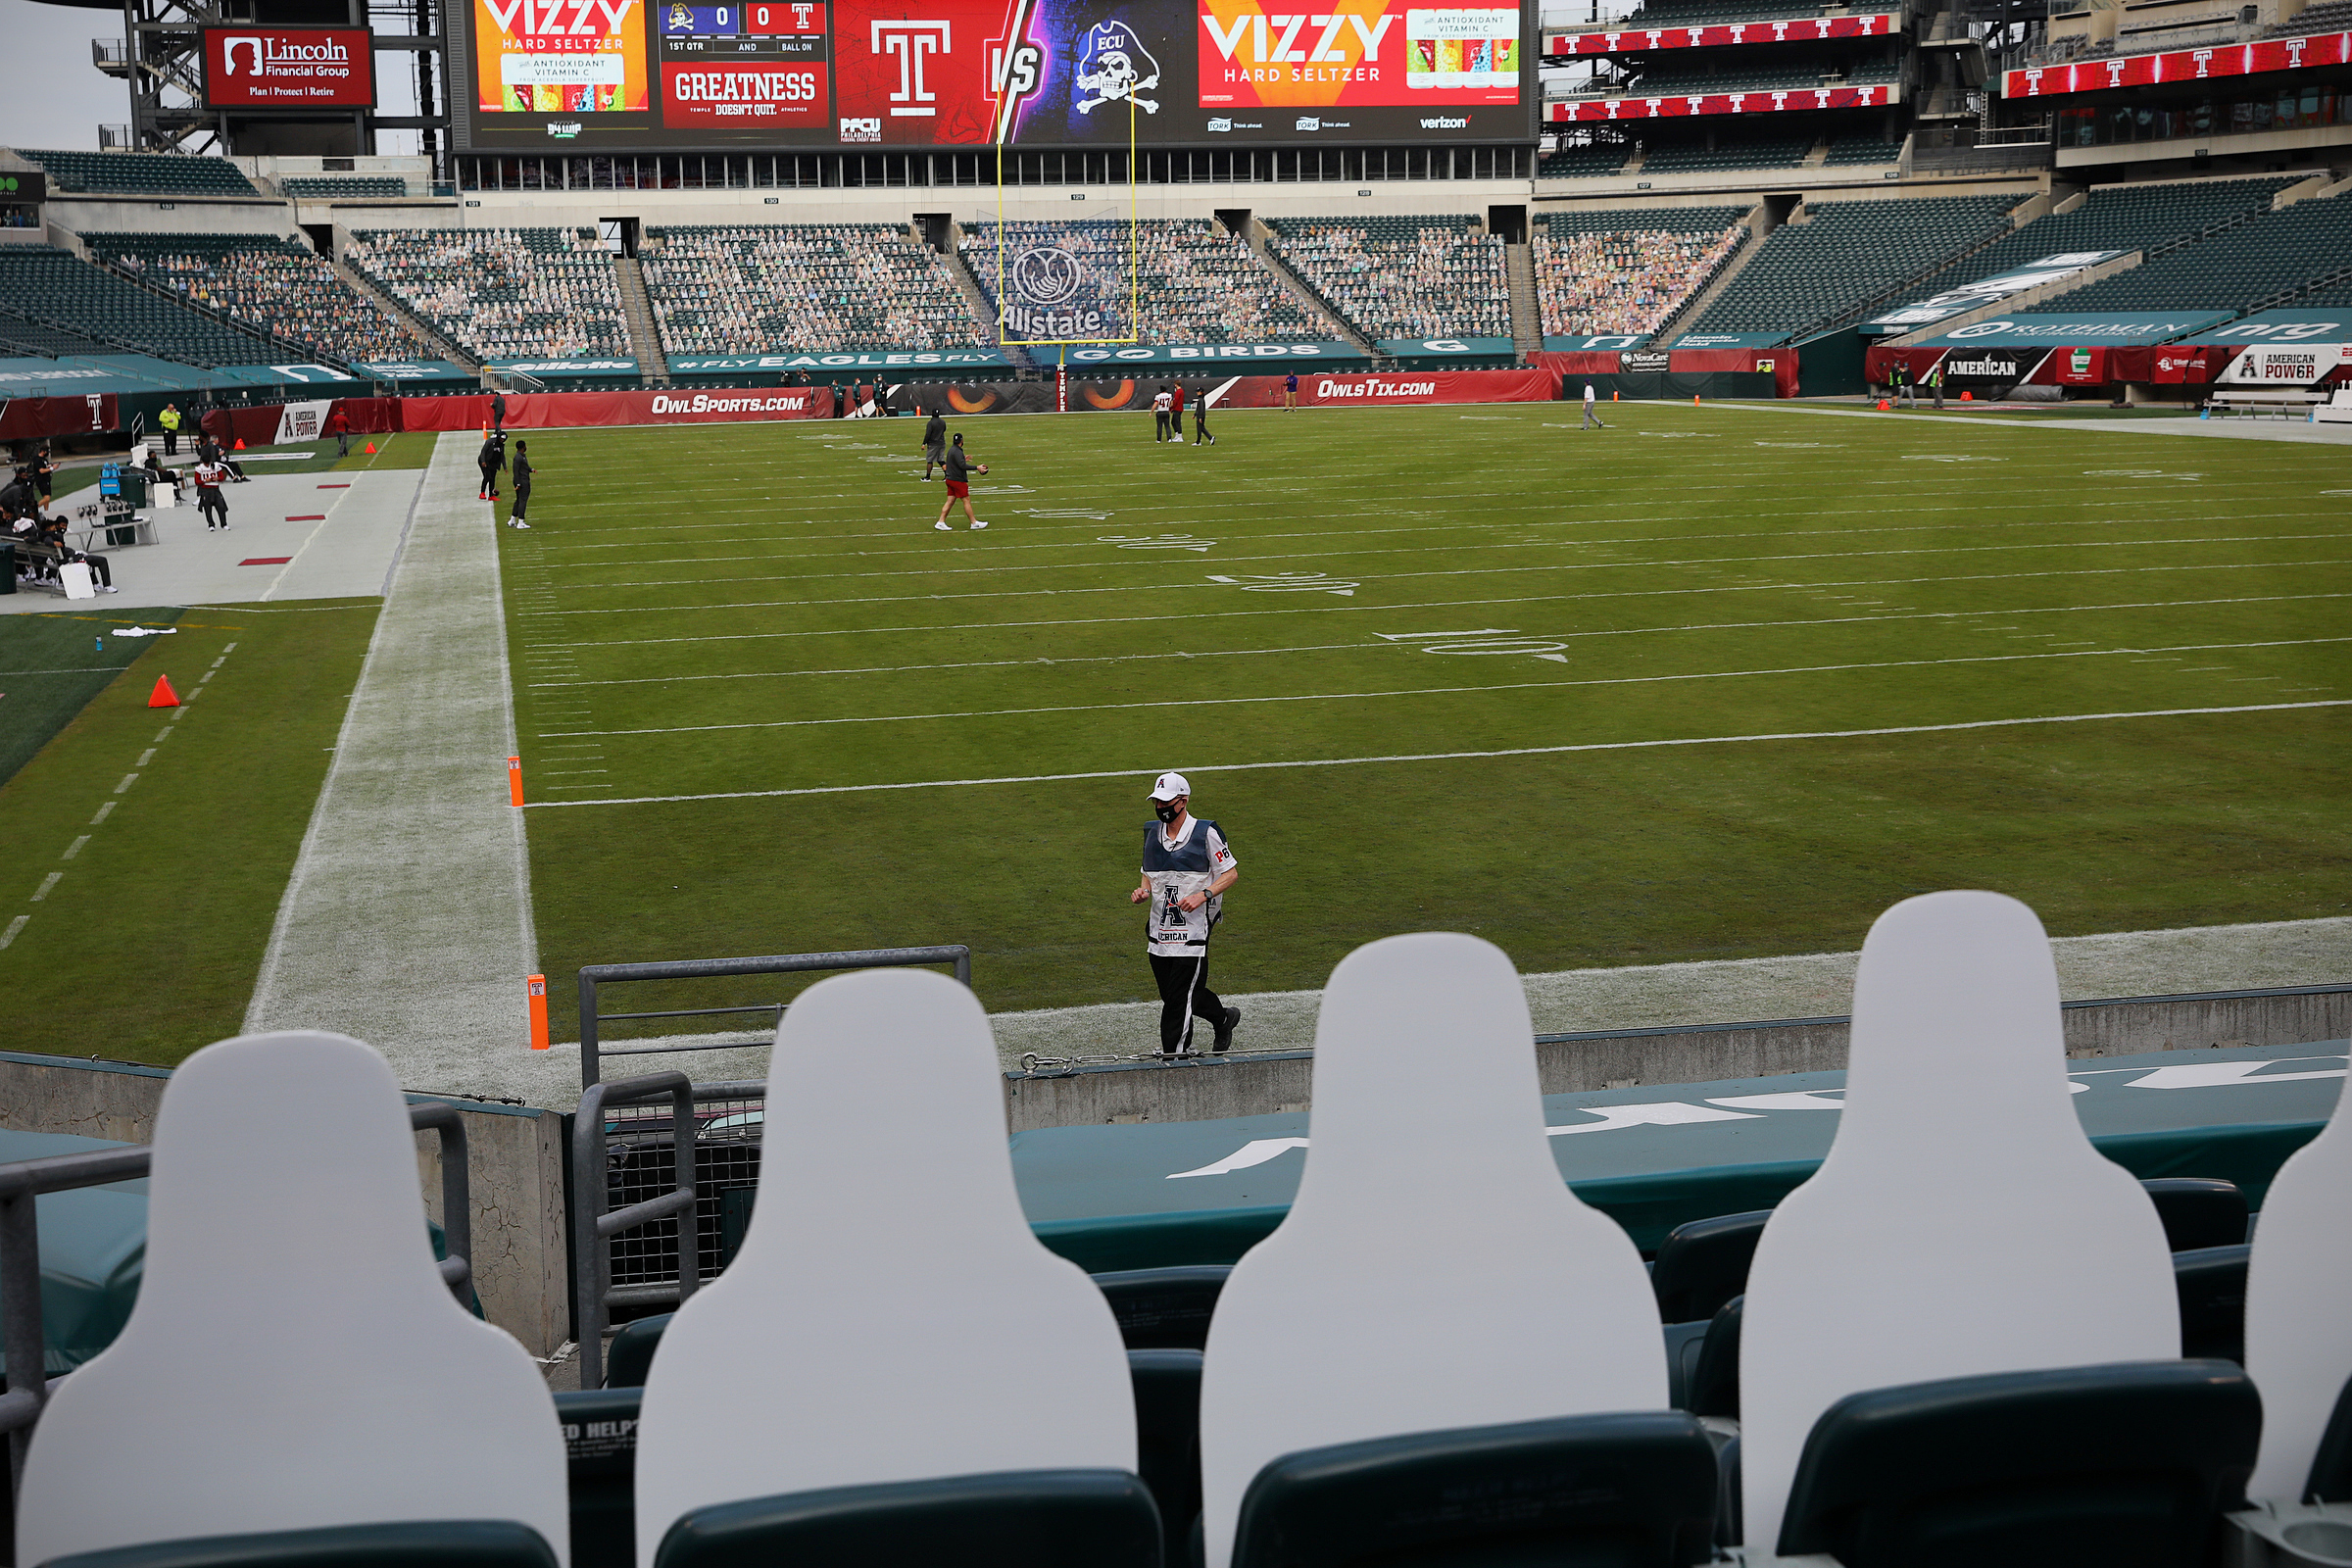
(983, 468)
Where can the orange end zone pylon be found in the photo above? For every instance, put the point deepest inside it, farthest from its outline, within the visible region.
(536, 987)
(163, 696)
(514, 781)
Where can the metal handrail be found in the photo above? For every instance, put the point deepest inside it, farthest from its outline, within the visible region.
(591, 1226)
(23, 1339)
(591, 1050)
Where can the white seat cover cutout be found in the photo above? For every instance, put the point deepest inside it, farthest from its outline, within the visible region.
(1962, 1223)
(1434, 1272)
(294, 1361)
(890, 1316)
(2299, 1306)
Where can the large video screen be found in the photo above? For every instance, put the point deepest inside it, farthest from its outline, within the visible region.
(289, 68)
(620, 74)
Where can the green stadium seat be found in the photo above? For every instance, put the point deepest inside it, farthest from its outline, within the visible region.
(2198, 1211)
(1168, 1432)
(1020, 1519)
(1630, 1490)
(1849, 255)
(343, 187)
(1400, 277)
(452, 1543)
(2119, 1466)
(55, 290)
(2212, 1281)
(1704, 1263)
(146, 174)
(1164, 1308)
(600, 1441)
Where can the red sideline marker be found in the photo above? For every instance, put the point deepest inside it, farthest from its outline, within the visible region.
(308, 517)
(264, 560)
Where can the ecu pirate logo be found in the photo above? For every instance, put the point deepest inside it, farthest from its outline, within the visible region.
(1112, 65)
(682, 19)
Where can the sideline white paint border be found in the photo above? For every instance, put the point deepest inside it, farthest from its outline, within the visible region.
(1211, 769)
(2182, 424)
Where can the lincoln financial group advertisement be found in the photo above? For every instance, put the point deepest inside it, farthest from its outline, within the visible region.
(551, 75)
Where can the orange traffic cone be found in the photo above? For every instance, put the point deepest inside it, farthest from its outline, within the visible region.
(1694, 400)
(1968, 397)
(1884, 405)
(370, 446)
(240, 445)
(163, 696)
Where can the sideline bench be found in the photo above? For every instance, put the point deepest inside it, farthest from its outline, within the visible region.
(2284, 403)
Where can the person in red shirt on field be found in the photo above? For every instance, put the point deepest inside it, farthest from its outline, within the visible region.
(961, 468)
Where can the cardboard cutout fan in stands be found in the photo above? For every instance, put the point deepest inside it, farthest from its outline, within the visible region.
(295, 1360)
(1435, 1272)
(890, 1316)
(2299, 1306)
(1962, 1222)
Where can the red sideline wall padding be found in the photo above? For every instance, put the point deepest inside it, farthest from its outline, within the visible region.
(1393, 387)
(22, 419)
(1679, 362)
(540, 410)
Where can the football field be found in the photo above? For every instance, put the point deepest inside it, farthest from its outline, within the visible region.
(1715, 682)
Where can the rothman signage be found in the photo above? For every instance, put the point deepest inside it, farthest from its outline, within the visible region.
(2058, 329)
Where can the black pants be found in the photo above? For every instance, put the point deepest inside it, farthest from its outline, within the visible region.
(1183, 995)
(1159, 424)
(1201, 428)
(100, 572)
(489, 481)
(522, 500)
(170, 443)
(210, 506)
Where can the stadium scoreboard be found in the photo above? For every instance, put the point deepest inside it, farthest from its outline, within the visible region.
(623, 75)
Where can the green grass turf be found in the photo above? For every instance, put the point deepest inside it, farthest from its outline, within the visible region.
(52, 666)
(147, 945)
(767, 608)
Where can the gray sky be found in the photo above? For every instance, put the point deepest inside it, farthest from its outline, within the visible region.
(56, 98)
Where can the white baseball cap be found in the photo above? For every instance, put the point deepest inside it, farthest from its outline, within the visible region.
(1168, 786)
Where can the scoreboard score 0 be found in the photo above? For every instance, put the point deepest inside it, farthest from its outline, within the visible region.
(759, 68)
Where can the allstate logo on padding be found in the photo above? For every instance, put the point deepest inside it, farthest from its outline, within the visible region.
(1047, 275)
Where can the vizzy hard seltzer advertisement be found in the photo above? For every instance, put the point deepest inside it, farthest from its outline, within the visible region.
(559, 57)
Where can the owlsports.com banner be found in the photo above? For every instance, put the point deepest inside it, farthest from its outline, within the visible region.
(852, 74)
(542, 411)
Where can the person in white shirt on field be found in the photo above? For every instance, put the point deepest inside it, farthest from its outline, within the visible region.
(1187, 869)
(1591, 418)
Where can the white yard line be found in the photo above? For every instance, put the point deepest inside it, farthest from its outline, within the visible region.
(1533, 599)
(1134, 769)
(1444, 691)
(407, 919)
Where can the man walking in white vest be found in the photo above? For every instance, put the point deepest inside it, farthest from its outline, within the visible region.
(1186, 868)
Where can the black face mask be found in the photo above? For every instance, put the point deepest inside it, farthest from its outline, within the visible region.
(1164, 811)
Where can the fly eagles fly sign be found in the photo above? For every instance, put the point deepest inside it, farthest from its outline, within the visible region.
(289, 68)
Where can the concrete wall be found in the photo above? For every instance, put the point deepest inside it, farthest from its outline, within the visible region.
(1277, 1081)
(515, 1160)
(171, 214)
(497, 209)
